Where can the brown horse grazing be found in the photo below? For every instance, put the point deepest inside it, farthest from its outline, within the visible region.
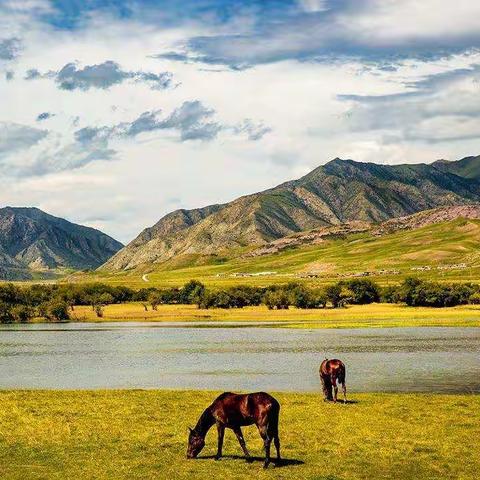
(233, 411)
(331, 372)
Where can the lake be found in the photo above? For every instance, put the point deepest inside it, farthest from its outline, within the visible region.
(153, 355)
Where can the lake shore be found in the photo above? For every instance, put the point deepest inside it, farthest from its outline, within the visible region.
(355, 316)
(129, 434)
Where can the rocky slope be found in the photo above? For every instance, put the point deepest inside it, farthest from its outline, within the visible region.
(339, 192)
(34, 241)
(409, 222)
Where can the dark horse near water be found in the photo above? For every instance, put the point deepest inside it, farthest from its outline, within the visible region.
(331, 372)
(233, 411)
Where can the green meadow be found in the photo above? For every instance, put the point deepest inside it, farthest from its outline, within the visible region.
(142, 435)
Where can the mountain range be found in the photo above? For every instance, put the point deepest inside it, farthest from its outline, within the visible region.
(34, 244)
(333, 194)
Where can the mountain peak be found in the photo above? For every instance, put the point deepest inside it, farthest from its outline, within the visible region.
(32, 240)
(337, 192)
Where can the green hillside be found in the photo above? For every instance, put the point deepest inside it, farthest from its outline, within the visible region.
(434, 251)
(338, 192)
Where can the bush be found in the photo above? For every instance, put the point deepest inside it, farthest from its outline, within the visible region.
(192, 292)
(155, 298)
(363, 291)
(339, 295)
(276, 299)
(391, 294)
(474, 298)
(56, 310)
(23, 313)
(418, 293)
(6, 315)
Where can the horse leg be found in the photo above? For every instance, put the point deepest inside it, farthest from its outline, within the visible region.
(335, 389)
(326, 385)
(276, 441)
(241, 441)
(221, 433)
(266, 442)
(272, 432)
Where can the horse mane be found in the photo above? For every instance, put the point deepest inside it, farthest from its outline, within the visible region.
(205, 421)
(224, 395)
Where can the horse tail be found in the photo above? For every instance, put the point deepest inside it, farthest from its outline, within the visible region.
(341, 375)
(273, 418)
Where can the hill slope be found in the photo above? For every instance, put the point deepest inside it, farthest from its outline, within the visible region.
(340, 191)
(468, 167)
(34, 241)
(439, 244)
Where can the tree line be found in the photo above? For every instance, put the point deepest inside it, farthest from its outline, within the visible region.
(57, 302)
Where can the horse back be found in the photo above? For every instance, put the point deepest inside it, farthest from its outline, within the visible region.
(333, 367)
(244, 409)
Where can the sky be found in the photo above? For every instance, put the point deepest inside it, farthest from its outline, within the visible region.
(116, 112)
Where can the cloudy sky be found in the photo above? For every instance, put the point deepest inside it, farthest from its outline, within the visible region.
(115, 112)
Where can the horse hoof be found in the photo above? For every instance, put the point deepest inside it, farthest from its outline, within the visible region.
(249, 460)
(217, 459)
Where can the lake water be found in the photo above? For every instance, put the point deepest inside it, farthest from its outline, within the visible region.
(149, 355)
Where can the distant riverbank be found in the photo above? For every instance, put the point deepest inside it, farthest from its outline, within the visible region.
(355, 316)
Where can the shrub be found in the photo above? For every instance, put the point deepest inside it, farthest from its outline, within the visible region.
(56, 310)
(391, 294)
(6, 315)
(363, 291)
(23, 313)
(276, 299)
(339, 295)
(192, 292)
(474, 298)
(431, 294)
(155, 298)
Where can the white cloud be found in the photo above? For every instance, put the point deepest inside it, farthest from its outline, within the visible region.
(313, 5)
(154, 172)
(387, 22)
(15, 138)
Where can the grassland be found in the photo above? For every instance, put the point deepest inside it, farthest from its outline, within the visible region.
(433, 246)
(375, 315)
(142, 435)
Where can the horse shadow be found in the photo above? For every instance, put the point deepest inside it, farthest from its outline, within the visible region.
(341, 402)
(284, 462)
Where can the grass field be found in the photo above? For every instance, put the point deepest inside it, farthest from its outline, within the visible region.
(443, 244)
(142, 435)
(375, 315)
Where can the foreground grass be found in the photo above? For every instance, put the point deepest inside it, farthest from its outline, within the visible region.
(142, 434)
(375, 315)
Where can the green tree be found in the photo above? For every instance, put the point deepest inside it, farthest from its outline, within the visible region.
(192, 292)
(56, 310)
(155, 298)
(363, 290)
(278, 299)
(474, 298)
(23, 313)
(6, 315)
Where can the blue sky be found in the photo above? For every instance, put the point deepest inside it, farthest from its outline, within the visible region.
(116, 112)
